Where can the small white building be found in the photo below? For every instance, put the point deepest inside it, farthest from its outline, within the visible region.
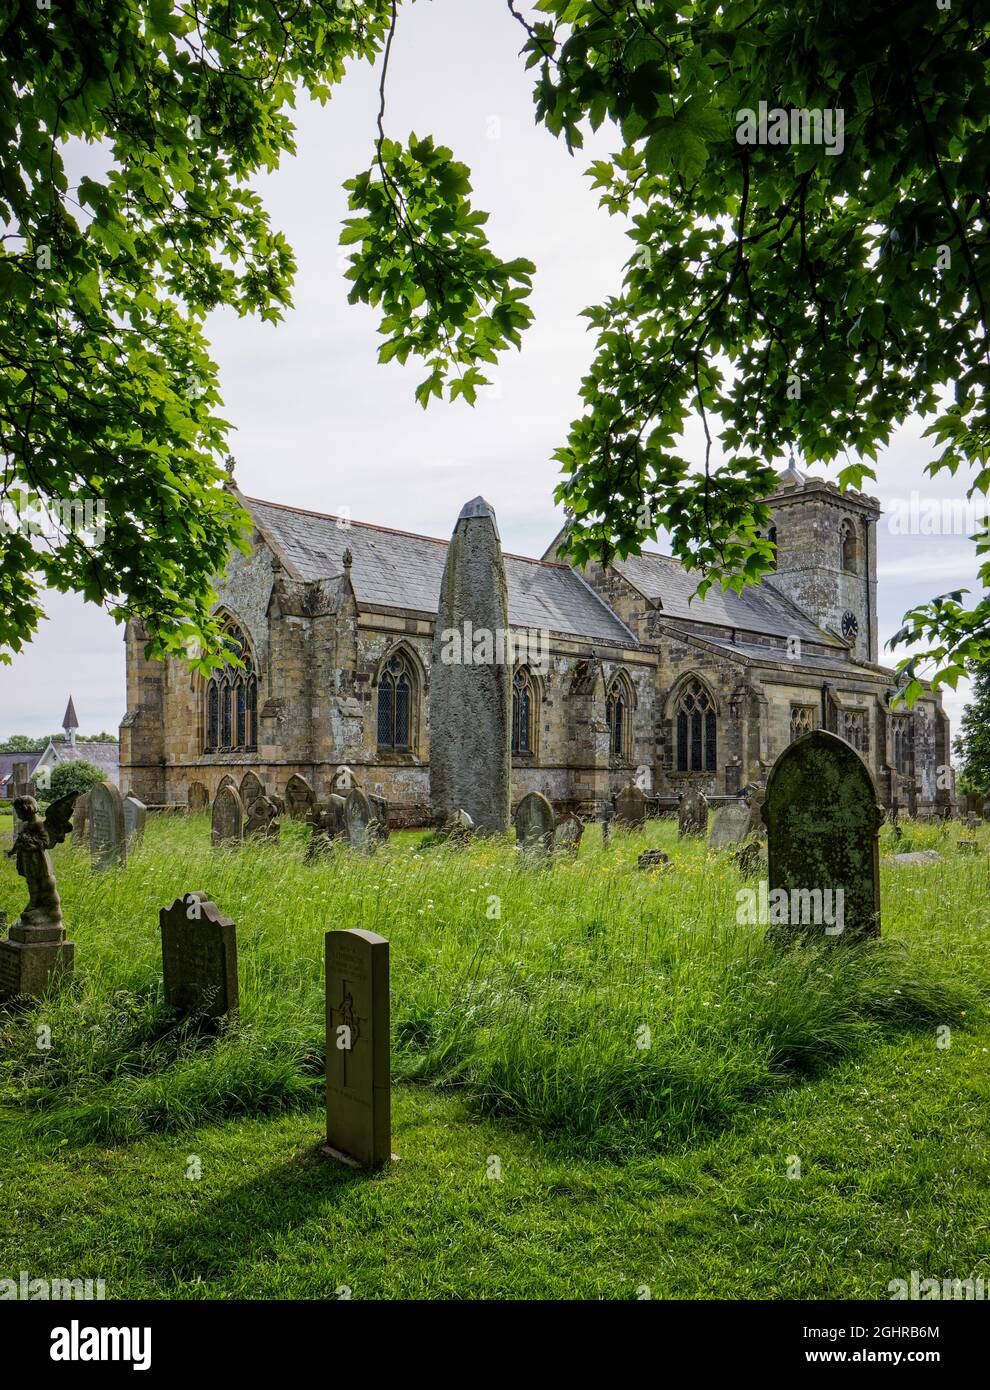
(105, 756)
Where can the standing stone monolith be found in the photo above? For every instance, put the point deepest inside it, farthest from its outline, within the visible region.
(534, 823)
(107, 839)
(470, 701)
(227, 824)
(135, 815)
(359, 1120)
(199, 957)
(823, 818)
(692, 813)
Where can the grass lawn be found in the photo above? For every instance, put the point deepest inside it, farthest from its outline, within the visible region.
(546, 1150)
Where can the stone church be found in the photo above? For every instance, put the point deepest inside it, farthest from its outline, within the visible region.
(633, 679)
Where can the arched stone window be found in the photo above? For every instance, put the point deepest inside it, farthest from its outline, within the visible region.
(524, 704)
(847, 539)
(232, 698)
(902, 738)
(396, 687)
(696, 729)
(618, 706)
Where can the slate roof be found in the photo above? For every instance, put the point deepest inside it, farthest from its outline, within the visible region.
(756, 609)
(7, 761)
(102, 755)
(395, 569)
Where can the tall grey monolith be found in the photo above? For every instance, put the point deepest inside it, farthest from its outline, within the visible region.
(471, 682)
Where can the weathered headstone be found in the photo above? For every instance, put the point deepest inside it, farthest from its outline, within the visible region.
(654, 859)
(358, 816)
(915, 857)
(470, 700)
(261, 820)
(199, 957)
(227, 827)
(460, 827)
(251, 788)
(692, 813)
(19, 787)
(300, 798)
(823, 818)
(80, 820)
(969, 846)
(327, 822)
(750, 856)
(379, 826)
(730, 825)
(135, 815)
(359, 1121)
(534, 822)
(606, 816)
(197, 798)
(567, 835)
(630, 806)
(107, 839)
(225, 781)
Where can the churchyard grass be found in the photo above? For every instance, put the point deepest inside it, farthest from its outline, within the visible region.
(521, 996)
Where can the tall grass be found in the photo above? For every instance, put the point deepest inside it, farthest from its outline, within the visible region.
(582, 999)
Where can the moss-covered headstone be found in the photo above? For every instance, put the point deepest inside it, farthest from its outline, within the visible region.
(823, 817)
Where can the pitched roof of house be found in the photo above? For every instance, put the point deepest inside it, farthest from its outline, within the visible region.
(7, 761)
(103, 755)
(396, 569)
(756, 609)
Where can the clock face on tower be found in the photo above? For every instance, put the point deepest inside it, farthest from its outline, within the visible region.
(850, 624)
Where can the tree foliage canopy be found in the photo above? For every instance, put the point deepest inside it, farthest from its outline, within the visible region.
(807, 291)
(75, 777)
(972, 745)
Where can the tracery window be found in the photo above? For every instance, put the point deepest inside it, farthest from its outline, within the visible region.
(231, 698)
(617, 717)
(696, 730)
(523, 710)
(395, 688)
(854, 729)
(902, 738)
(802, 720)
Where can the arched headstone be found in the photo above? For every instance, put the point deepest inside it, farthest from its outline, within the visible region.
(228, 817)
(300, 799)
(823, 818)
(534, 820)
(197, 798)
(135, 815)
(358, 816)
(692, 813)
(106, 826)
(567, 836)
(225, 781)
(251, 788)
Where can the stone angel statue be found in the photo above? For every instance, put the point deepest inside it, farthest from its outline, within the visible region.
(30, 853)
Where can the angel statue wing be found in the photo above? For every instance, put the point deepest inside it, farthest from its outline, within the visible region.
(58, 818)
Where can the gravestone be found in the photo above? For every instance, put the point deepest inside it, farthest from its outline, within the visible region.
(459, 829)
(692, 813)
(19, 780)
(750, 857)
(197, 798)
(80, 820)
(969, 846)
(630, 806)
(250, 789)
(227, 826)
(300, 799)
(327, 822)
(730, 825)
(199, 957)
(823, 818)
(606, 815)
(379, 826)
(470, 699)
(654, 859)
(225, 781)
(915, 857)
(567, 835)
(358, 816)
(135, 815)
(261, 819)
(359, 1121)
(107, 839)
(534, 823)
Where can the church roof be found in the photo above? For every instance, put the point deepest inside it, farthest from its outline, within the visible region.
(396, 569)
(69, 720)
(756, 609)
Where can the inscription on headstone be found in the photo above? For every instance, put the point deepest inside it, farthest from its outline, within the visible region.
(730, 825)
(823, 818)
(359, 1121)
(251, 789)
(107, 840)
(228, 818)
(534, 823)
(300, 799)
(199, 957)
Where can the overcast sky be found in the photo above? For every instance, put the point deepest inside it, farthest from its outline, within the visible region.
(319, 424)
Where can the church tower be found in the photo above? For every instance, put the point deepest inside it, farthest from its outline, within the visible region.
(827, 557)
